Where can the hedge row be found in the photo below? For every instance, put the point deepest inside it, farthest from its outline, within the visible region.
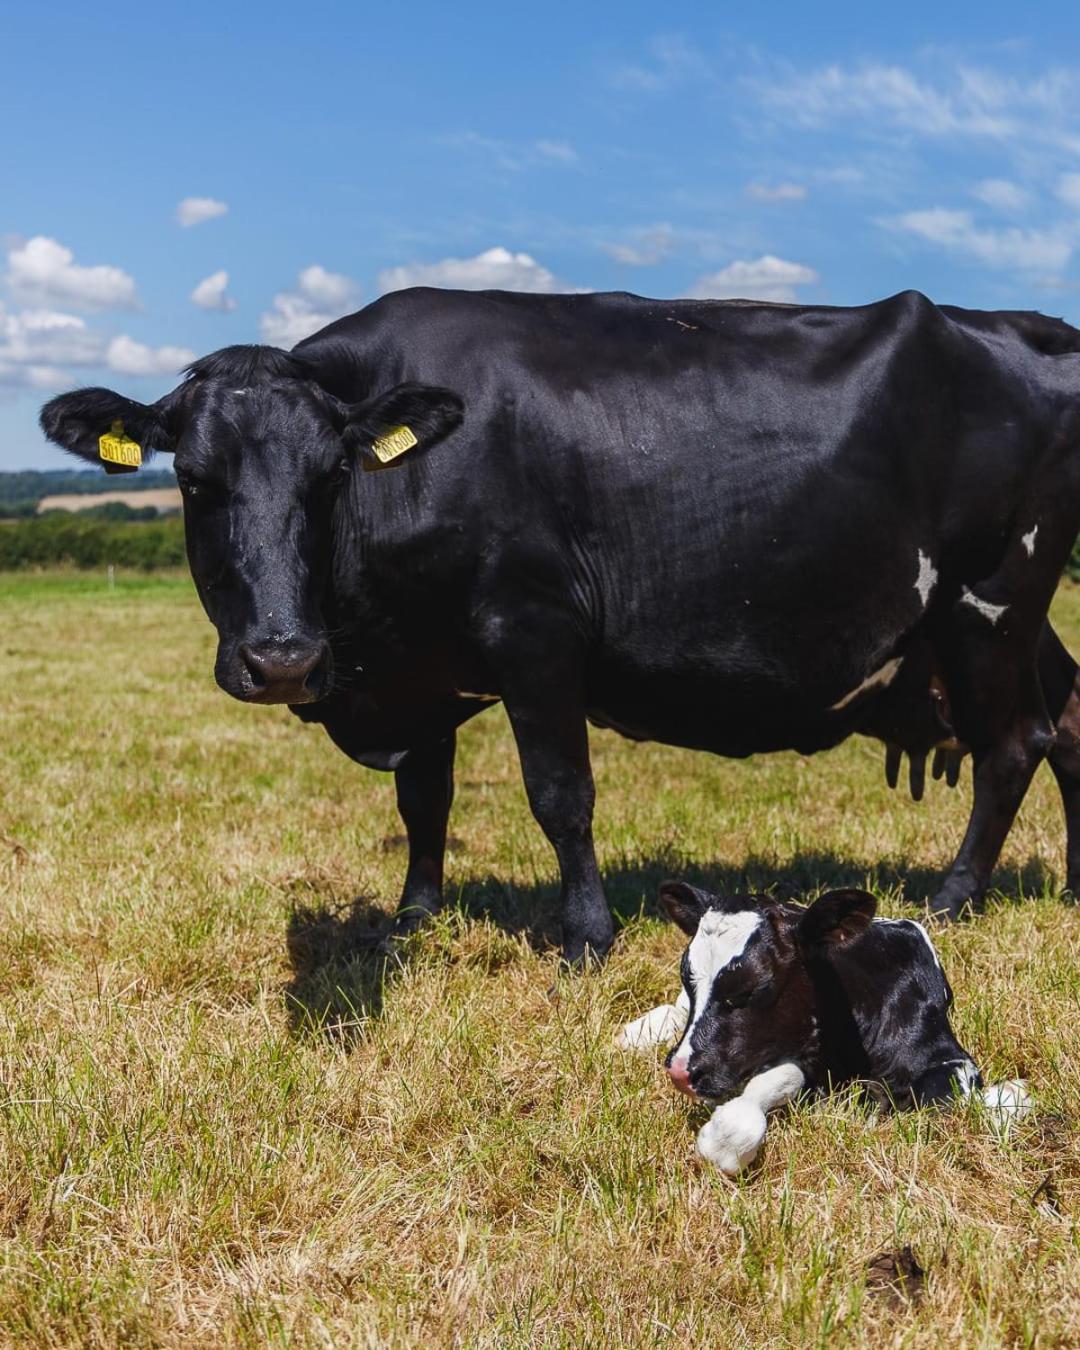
(81, 541)
(77, 541)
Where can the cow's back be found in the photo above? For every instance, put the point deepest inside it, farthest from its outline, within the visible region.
(729, 494)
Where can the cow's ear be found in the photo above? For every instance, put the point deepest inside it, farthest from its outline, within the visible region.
(80, 420)
(837, 917)
(410, 418)
(684, 904)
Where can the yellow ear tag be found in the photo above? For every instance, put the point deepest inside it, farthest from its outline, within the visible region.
(393, 443)
(116, 448)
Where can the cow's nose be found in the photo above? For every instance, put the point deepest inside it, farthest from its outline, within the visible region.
(679, 1073)
(286, 672)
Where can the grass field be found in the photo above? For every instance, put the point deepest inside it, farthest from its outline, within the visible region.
(222, 1124)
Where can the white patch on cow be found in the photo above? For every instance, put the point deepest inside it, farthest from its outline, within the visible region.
(720, 938)
(467, 693)
(880, 679)
(735, 1131)
(1028, 541)
(983, 607)
(659, 1027)
(927, 578)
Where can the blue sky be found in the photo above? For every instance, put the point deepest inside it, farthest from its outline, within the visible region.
(328, 152)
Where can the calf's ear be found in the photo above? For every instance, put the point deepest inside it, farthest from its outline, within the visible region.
(409, 419)
(684, 904)
(837, 917)
(78, 421)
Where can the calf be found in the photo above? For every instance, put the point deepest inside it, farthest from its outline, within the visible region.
(781, 999)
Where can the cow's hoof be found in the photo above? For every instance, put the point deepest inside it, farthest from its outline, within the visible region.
(957, 899)
(405, 923)
(583, 956)
(942, 911)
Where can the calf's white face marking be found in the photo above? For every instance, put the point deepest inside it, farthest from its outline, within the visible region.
(880, 679)
(983, 607)
(927, 578)
(720, 938)
(1028, 541)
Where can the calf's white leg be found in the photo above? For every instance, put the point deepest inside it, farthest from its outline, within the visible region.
(659, 1027)
(735, 1131)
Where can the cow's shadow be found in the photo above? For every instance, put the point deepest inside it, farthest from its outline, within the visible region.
(340, 974)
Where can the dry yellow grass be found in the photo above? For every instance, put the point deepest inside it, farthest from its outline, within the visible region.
(221, 1125)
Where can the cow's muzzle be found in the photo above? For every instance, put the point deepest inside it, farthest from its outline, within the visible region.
(284, 672)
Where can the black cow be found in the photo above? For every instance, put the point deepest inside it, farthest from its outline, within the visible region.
(780, 1000)
(732, 526)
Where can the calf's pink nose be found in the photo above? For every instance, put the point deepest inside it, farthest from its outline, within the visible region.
(679, 1073)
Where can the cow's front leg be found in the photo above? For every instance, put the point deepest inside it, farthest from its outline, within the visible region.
(425, 791)
(734, 1133)
(546, 711)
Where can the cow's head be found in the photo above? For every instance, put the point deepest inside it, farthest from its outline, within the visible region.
(746, 973)
(263, 452)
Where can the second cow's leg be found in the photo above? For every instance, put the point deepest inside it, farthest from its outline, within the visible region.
(1060, 678)
(425, 791)
(990, 644)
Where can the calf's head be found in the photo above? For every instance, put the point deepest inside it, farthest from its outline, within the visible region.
(263, 456)
(825, 986)
(751, 1000)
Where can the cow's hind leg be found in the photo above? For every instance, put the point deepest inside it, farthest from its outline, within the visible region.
(1060, 678)
(425, 791)
(990, 644)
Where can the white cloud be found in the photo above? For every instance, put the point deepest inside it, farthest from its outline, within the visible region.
(44, 272)
(1023, 250)
(320, 297)
(495, 269)
(47, 338)
(892, 94)
(332, 290)
(1068, 190)
(560, 151)
(210, 293)
(672, 61)
(649, 247)
(509, 156)
(198, 210)
(1001, 194)
(129, 357)
(782, 192)
(957, 101)
(29, 377)
(40, 349)
(764, 278)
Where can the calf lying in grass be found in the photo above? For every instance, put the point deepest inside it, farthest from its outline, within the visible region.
(781, 999)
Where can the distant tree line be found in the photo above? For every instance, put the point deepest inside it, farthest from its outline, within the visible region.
(20, 492)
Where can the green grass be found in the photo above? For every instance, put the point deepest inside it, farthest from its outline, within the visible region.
(222, 1124)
